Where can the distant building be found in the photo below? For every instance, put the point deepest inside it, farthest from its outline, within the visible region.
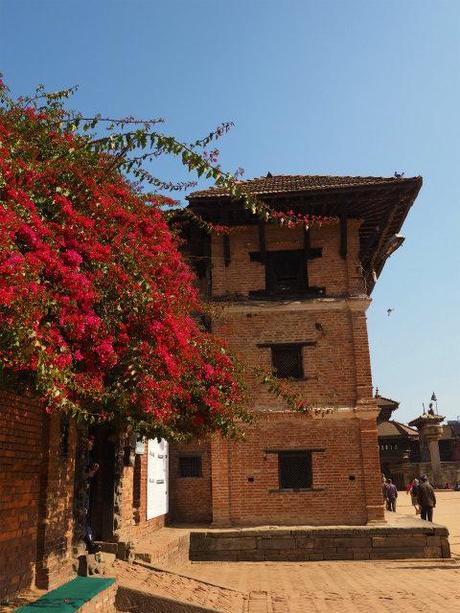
(430, 447)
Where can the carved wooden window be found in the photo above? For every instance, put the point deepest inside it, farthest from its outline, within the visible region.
(190, 466)
(295, 470)
(286, 272)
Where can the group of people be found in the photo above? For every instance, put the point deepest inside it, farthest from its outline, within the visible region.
(421, 492)
(423, 497)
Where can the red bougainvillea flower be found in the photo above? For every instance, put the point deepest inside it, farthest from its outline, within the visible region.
(96, 302)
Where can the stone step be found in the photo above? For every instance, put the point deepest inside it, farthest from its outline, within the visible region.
(107, 547)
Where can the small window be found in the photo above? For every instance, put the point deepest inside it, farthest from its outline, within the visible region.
(286, 272)
(295, 470)
(287, 361)
(190, 466)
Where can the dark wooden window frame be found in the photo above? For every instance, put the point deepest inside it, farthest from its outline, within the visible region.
(190, 466)
(282, 355)
(293, 452)
(300, 285)
(298, 346)
(303, 465)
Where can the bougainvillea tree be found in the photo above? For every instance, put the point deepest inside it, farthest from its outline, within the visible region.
(97, 305)
(96, 302)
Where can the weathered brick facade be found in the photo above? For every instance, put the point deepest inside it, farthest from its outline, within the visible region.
(326, 323)
(37, 485)
(36, 496)
(190, 500)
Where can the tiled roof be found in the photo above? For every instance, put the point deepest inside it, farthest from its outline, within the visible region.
(381, 203)
(297, 183)
(383, 402)
(395, 428)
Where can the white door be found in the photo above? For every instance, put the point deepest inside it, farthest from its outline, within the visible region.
(157, 478)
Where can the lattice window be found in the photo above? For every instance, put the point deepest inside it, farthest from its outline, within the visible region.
(295, 470)
(190, 466)
(287, 361)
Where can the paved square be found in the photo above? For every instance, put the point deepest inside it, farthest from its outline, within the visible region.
(335, 587)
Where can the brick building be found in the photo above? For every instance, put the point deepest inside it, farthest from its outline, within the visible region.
(42, 483)
(294, 301)
(285, 299)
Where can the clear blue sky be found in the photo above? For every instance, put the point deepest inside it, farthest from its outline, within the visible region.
(359, 87)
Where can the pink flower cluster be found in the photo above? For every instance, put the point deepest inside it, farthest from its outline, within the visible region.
(96, 301)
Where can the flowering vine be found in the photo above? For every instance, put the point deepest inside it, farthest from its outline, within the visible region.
(96, 303)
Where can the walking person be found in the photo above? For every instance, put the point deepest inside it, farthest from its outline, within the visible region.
(413, 495)
(384, 491)
(426, 498)
(391, 493)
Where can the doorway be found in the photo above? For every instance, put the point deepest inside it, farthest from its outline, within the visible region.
(102, 485)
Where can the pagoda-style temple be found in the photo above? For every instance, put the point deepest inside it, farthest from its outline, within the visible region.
(293, 301)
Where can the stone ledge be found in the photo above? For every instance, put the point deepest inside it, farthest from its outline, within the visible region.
(321, 543)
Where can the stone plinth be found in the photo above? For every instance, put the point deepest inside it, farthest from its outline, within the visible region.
(411, 539)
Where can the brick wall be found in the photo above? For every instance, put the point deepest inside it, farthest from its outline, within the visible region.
(254, 496)
(337, 374)
(21, 423)
(339, 276)
(329, 366)
(190, 497)
(55, 527)
(36, 497)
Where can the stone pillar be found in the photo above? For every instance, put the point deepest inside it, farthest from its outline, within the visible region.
(220, 479)
(435, 458)
(430, 431)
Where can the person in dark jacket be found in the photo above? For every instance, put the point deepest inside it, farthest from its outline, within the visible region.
(426, 498)
(391, 493)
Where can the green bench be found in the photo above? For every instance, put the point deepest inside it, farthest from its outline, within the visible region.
(69, 597)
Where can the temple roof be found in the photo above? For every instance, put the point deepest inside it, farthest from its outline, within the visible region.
(382, 203)
(396, 429)
(297, 183)
(384, 402)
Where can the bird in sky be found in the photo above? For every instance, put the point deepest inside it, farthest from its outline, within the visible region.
(390, 311)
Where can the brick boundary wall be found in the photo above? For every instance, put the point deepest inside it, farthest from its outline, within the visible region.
(303, 544)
